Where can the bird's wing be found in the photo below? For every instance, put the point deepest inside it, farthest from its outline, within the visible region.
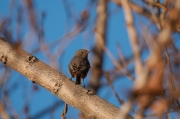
(84, 66)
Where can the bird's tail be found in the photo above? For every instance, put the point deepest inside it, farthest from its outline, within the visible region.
(78, 80)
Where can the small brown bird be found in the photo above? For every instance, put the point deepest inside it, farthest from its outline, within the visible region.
(79, 65)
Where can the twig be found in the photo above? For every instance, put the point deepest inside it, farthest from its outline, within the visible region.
(64, 111)
(110, 84)
(171, 84)
(161, 6)
(116, 63)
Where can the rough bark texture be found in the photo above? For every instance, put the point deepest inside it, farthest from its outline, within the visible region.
(56, 82)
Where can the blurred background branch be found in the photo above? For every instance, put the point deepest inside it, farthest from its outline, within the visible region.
(98, 60)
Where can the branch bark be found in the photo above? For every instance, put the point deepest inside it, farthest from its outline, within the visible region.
(56, 82)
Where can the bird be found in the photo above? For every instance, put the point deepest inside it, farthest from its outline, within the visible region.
(79, 65)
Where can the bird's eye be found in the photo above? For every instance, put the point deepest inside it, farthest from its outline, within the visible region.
(82, 52)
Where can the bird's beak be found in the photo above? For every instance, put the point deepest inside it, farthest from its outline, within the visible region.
(89, 51)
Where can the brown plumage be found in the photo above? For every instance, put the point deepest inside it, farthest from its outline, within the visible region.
(79, 65)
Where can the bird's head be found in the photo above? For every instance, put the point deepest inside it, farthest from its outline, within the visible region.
(82, 53)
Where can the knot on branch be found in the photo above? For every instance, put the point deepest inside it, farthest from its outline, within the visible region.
(90, 92)
(31, 59)
(56, 87)
(3, 59)
(93, 117)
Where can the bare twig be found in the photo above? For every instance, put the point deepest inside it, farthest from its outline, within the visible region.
(116, 63)
(171, 77)
(112, 87)
(64, 111)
